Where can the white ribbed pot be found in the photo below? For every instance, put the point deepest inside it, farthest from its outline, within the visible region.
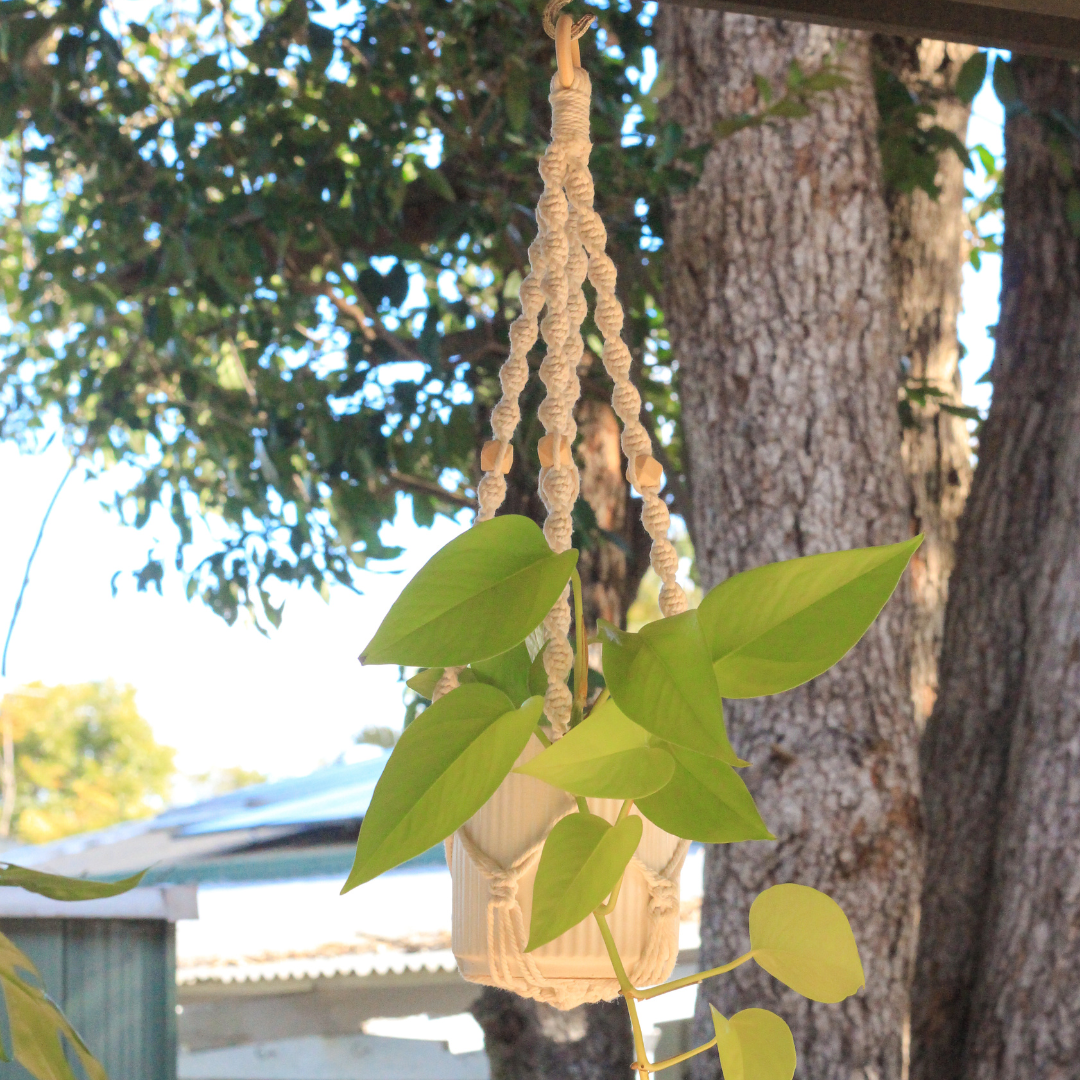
(493, 859)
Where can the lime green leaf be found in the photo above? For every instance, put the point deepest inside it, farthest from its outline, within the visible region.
(705, 800)
(446, 765)
(662, 678)
(477, 597)
(582, 860)
(802, 937)
(64, 888)
(37, 1025)
(537, 675)
(508, 672)
(425, 681)
(754, 1044)
(781, 625)
(606, 756)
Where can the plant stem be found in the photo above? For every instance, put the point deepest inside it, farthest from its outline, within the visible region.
(629, 993)
(690, 980)
(600, 699)
(542, 736)
(679, 1058)
(581, 659)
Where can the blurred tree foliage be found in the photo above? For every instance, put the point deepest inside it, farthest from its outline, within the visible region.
(84, 759)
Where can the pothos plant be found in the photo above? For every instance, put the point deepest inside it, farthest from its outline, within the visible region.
(654, 737)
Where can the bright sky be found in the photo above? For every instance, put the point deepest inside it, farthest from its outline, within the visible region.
(227, 696)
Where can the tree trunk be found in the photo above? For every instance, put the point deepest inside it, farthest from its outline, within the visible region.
(927, 249)
(779, 312)
(997, 990)
(527, 1040)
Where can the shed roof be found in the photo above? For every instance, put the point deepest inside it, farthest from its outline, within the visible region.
(1039, 27)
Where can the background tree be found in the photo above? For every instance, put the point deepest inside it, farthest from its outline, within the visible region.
(778, 304)
(995, 992)
(84, 759)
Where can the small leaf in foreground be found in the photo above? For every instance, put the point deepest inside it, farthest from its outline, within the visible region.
(425, 681)
(37, 1024)
(705, 800)
(606, 756)
(662, 678)
(57, 887)
(446, 765)
(754, 1044)
(480, 595)
(582, 860)
(802, 937)
(778, 626)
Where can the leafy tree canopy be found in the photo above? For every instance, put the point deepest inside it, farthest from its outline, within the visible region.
(84, 759)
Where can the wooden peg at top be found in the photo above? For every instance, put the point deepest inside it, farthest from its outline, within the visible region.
(649, 472)
(564, 49)
(490, 454)
(546, 449)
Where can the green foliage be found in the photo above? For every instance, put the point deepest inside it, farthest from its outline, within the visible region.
(64, 888)
(705, 800)
(754, 1044)
(509, 672)
(802, 937)
(446, 765)
(84, 759)
(38, 1028)
(270, 265)
(607, 756)
(971, 77)
(479, 596)
(772, 628)
(662, 678)
(582, 861)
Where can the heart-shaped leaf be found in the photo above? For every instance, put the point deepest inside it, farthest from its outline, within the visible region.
(754, 1044)
(662, 678)
(446, 765)
(778, 626)
(479, 596)
(508, 672)
(802, 937)
(583, 858)
(705, 800)
(64, 888)
(607, 756)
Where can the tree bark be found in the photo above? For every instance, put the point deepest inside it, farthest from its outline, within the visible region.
(927, 254)
(997, 990)
(779, 310)
(526, 1040)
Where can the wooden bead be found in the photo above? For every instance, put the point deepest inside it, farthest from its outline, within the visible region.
(649, 472)
(545, 447)
(490, 453)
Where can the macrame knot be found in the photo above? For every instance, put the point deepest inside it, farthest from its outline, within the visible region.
(503, 890)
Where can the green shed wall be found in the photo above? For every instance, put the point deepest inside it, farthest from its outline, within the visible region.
(116, 981)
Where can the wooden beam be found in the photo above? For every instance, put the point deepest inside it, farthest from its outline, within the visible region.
(1035, 27)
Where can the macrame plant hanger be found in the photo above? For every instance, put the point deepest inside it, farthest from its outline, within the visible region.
(493, 856)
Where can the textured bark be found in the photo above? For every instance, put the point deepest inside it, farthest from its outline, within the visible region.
(997, 990)
(927, 252)
(526, 1040)
(779, 309)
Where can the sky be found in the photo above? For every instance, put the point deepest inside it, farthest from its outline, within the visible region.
(225, 696)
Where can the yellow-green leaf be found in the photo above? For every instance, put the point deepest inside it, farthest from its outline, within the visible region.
(705, 800)
(607, 756)
(583, 858)
(780, 625)
(754, 1044)
(479, 596)
(446, 765)
(662, 678)
(802, 937)
(509, 672)
(64, 888)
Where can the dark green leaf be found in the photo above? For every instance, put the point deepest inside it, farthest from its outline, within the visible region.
(483, 593)
(1004, 82)
(538, 679)
(662, 678)
(446, 765)
(606, 756)
(971, 77)
(582, 860)
(783, 624)
(64, 888)
(705, 800)
(202, 70)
